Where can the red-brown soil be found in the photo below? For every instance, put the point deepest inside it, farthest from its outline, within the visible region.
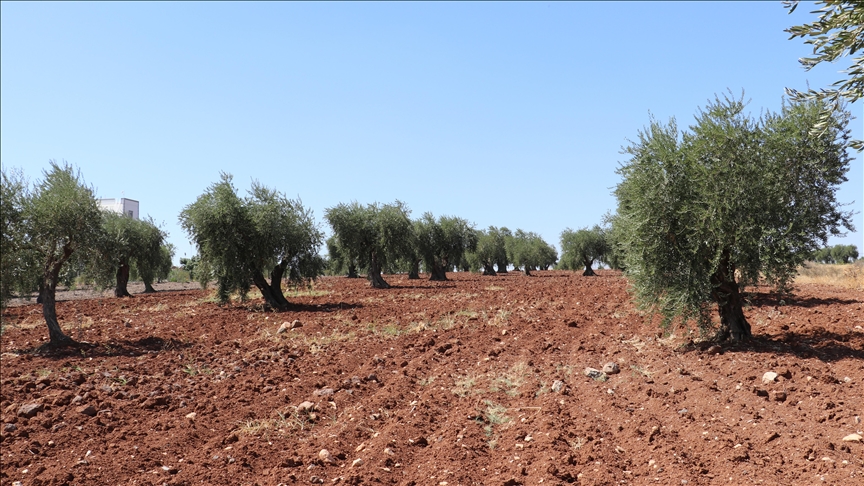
(431, 384)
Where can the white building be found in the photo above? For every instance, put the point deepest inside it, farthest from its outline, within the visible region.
(126, 207)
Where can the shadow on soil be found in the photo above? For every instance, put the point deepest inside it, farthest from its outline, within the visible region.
(80, 349)
(774, 300)
(820, 344)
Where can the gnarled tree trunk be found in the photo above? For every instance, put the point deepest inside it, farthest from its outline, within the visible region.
(437, 272)
(729, 302)
(374, 274)
(48, 295)
(267, 292)
(488, 269)
(589, 272)
(352, 271)
(276, 285)
(502, 267)
(148, 288)
(122, 281)
(527, 270)
(414, 271)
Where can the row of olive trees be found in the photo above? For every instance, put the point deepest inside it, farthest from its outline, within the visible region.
(836, 254)
(378, 237)
(54, 231)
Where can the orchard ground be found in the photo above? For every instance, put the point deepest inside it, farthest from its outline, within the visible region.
(477, 380)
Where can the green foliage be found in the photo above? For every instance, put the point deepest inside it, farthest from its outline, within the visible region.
(527, 250)
(836, 254)
(581, 248)
(491, 249)
(373, 236)
(129, 247)
(838, 32)
(442, 243)
(732, 196)
(241, 239)
(16, 265)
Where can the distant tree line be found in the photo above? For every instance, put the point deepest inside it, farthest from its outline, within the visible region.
(837, 254)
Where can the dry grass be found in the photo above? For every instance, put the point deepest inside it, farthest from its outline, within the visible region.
(850, 276)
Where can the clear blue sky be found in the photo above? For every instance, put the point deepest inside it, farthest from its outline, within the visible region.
(506, 114)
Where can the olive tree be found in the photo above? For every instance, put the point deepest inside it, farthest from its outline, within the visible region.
(838, 32)
(583, 247)
(375, 234)
(732, 200)
(243, 239)
(61, 220)
(528, 250)
(442, 243)
(490, 249)
(128, 243)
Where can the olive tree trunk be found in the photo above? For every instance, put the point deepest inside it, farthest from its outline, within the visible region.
(120, 289)
(148, 288)
(414, 271)
(502, 267)
(352, 271)
(589, 272)
(437, 271)
(270, 297)
(48, 295)
(374, 274)
(726, 293)
(489, 269)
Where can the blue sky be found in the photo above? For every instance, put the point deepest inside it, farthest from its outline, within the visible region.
(506, 114)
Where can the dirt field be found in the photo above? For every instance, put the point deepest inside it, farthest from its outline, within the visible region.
(479, 380)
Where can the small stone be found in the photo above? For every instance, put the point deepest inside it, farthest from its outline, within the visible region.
(852, 438)
(76, 400)
(503, 332)
(30, 409)
(191, 416)
(771, 436)
(356, 462)
(306, 407)
(360, 447)
(714, 350)
(10, 428)
(557, 386)
(324, 392)
(88, 410)
(325, 456)
(769, 377)
(389, 451)
(611, 368)
(779, 396)
(296, 323)
(284, 327)
(595, 374)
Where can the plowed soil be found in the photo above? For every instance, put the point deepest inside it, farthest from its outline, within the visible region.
(479, 380)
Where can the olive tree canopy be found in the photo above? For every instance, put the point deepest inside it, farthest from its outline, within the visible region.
(242, 240)
(730, 201)
(582, 248)
(374, 235)
(442, 243)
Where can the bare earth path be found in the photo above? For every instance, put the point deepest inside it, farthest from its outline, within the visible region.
(474, 381)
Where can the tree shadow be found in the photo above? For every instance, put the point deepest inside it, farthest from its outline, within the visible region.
(826, 346)
(425, 286)
(766, 299)
(325, 307)
(123, 347)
